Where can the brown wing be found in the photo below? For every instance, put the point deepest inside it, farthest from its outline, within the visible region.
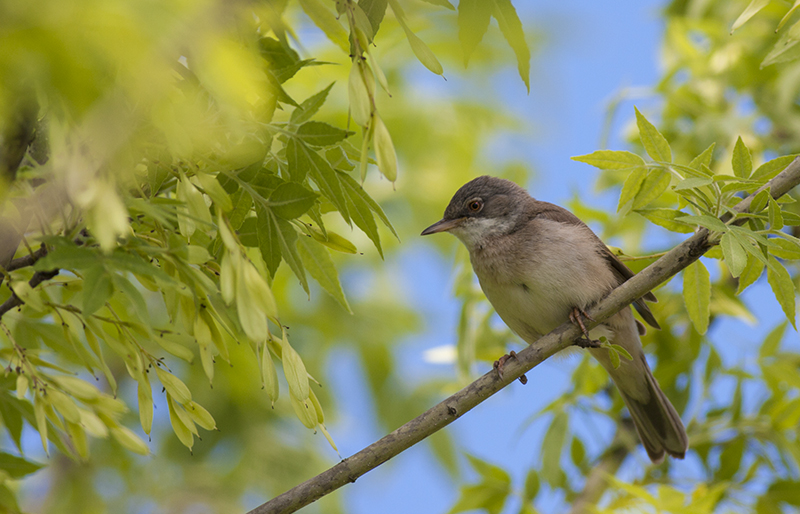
(556, 213)
(624, 274)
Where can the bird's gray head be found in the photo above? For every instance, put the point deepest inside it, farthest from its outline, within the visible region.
(482, 208)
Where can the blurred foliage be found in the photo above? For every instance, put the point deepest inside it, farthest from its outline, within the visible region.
(180, 184)
(194, 171)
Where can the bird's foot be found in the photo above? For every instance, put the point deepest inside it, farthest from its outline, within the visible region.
(575, 318)
(499, 363)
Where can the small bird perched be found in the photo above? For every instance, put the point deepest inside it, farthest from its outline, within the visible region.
(539, 265)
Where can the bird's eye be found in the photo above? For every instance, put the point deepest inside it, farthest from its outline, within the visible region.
(475, 205)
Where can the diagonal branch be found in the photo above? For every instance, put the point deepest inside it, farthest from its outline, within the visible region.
(452, 408)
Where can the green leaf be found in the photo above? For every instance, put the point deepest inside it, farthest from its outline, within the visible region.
(783, 288)
(772, 342)
(775, 217)
(374, 10)
(291, 200)
(473, 21)
(552, 446)
(320, 266)
(531, 486)
(17, 467)
(735, 255)
(631, 188)
(511, 27)
(67, 257)
(298, 160)
(621, 351)
(697, 295)
(666, 218)
(362, 215)
(691, 183)
(704, 159)
(317, 133)
(654, 143)
(309, 107)
(422, 52)
(785, 248)
(327, 22)
(770, 169)
(730, 459)
(742, 162)
(268, 240)
(611, 159)
(97, 289)
(577, 451)
(749, 12)
(354, 189)
(759, 201)
(327, 180)
(704, 220)
(653, 186)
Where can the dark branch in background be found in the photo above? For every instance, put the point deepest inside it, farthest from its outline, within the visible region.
(444, 413)
(15, 301)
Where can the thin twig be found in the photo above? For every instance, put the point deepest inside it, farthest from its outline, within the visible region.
(452, 408)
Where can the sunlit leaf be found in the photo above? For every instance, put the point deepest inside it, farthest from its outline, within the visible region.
(697, 295)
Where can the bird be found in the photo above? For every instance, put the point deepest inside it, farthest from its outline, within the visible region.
(540, 265)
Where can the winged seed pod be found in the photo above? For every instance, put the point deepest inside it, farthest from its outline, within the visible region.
(294, 369)
(227, 277)
(384, 150)
(260, 291)
(304, 411)
(269, 376)
(252, 318)
(145, 396)
(360, 103)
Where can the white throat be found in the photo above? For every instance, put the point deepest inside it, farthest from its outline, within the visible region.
(476, 232)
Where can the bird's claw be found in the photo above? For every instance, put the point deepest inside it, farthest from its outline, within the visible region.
(575, 318)
(499, 363)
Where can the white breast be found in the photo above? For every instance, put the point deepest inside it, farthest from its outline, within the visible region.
(535, 286)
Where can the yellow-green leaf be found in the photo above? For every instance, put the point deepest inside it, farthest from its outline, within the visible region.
(631, 188)
(697, 295)
(741, 161)
(735, 255)
(653, 186)
(319, 265)
(327, 22)
(654, 143)
(783, 288)
(751, 272)
(611, 159)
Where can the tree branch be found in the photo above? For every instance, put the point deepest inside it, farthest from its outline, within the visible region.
(452, 408)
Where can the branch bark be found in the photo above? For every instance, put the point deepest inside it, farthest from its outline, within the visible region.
(452, 408)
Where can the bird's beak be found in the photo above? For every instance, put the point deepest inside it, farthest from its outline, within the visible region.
(442, 226)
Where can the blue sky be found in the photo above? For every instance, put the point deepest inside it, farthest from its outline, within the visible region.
(589, 51)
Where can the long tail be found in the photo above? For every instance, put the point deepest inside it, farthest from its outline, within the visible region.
(657, 422)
